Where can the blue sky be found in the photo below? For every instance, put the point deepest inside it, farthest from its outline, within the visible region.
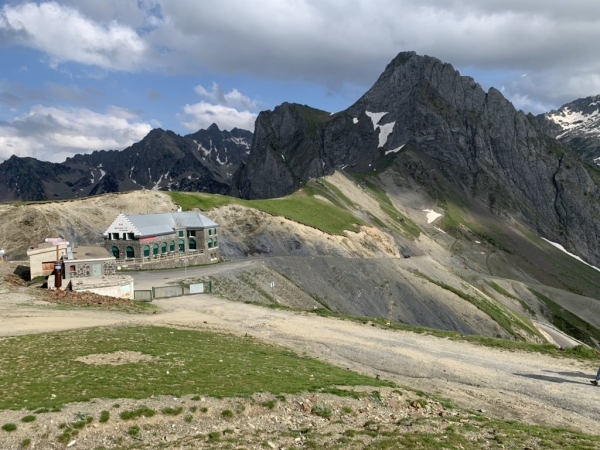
(83, 75)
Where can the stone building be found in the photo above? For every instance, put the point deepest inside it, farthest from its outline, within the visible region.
(85, 262)
(163, 240)
(43, 256)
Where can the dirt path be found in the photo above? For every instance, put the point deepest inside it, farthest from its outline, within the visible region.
(529, 387)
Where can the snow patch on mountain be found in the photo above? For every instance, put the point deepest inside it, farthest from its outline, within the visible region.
(571, 120)
(239, 141)
(561, 248)
(203, 150)
(395, 150)
(384, 130)
(431, 215)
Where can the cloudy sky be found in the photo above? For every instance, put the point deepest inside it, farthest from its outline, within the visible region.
(82, 75)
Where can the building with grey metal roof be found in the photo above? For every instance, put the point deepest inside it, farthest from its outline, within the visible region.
(158, 237)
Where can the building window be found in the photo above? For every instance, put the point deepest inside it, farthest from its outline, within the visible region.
(192, 244)
(130, 252)
(115, 252)
(146, 251)
(172, 248)
(130, 236)
(115, 236)
(210, 244)
(163, 247)
(215, 231)
(155, 249)
(215, 243)
(210, 231)
(72, 269)
(180, 233)
(191, 233)
(181, 246)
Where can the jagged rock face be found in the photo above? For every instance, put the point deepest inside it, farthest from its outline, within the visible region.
(576, 125)
(446, 133)
(204, 161)
(289, 146)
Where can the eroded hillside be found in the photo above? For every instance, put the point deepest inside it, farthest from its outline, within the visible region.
(367, 246)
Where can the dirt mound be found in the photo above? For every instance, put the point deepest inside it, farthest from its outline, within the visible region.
(78, 221)
(84, 299)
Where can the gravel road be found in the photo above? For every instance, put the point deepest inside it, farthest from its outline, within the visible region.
(530, 387)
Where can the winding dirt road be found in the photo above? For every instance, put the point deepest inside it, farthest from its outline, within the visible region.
(530, 387)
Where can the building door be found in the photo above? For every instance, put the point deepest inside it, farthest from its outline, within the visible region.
(96, 270)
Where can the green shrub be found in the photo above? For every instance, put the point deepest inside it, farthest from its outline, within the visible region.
(29, 418)
(142, 411)
(322, 411)
(104, 416)
(227, 414)
(172, 411)
(9, 427)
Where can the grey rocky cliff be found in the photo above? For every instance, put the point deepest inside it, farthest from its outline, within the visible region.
(447, 134)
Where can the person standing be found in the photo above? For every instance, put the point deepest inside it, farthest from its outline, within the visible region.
(595, 382)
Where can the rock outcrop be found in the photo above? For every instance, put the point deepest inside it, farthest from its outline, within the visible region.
(444, 132)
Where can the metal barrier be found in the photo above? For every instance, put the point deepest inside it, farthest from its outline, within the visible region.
(177, 291)
(142, 295)
(167, 291)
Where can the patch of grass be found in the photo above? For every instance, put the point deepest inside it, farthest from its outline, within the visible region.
(104, 417)
(188, 418)
(219, 365)
(343, 393)
(568, 322)
(29, 418)
(204, 409)
(9, 427)
(25, 443)
(227, 414)
(172, 411)
(268, 404)
(386, 205)
(64, 437)
(193, 409)
(196, 398)
(298, 207)
(142, 411)
(500, 290)
(133, 431)
(322, 411)
(214, 436)
(504, 317)
(347, 410)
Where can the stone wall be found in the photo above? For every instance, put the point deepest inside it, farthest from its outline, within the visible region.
(208, 257)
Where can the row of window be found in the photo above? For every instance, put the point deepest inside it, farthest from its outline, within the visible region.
(156, 249)
(180, 233)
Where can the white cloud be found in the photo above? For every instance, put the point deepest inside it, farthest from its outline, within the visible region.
(228, 110)
(203, 114)
(52, 134)
(64, 34)
(233, 98)
(328, 42)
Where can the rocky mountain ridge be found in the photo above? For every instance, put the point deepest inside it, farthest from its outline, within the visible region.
(163, 160)
(441, 131)
(577, 126)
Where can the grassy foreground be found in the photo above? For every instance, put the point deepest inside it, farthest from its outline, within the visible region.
(42, 370)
